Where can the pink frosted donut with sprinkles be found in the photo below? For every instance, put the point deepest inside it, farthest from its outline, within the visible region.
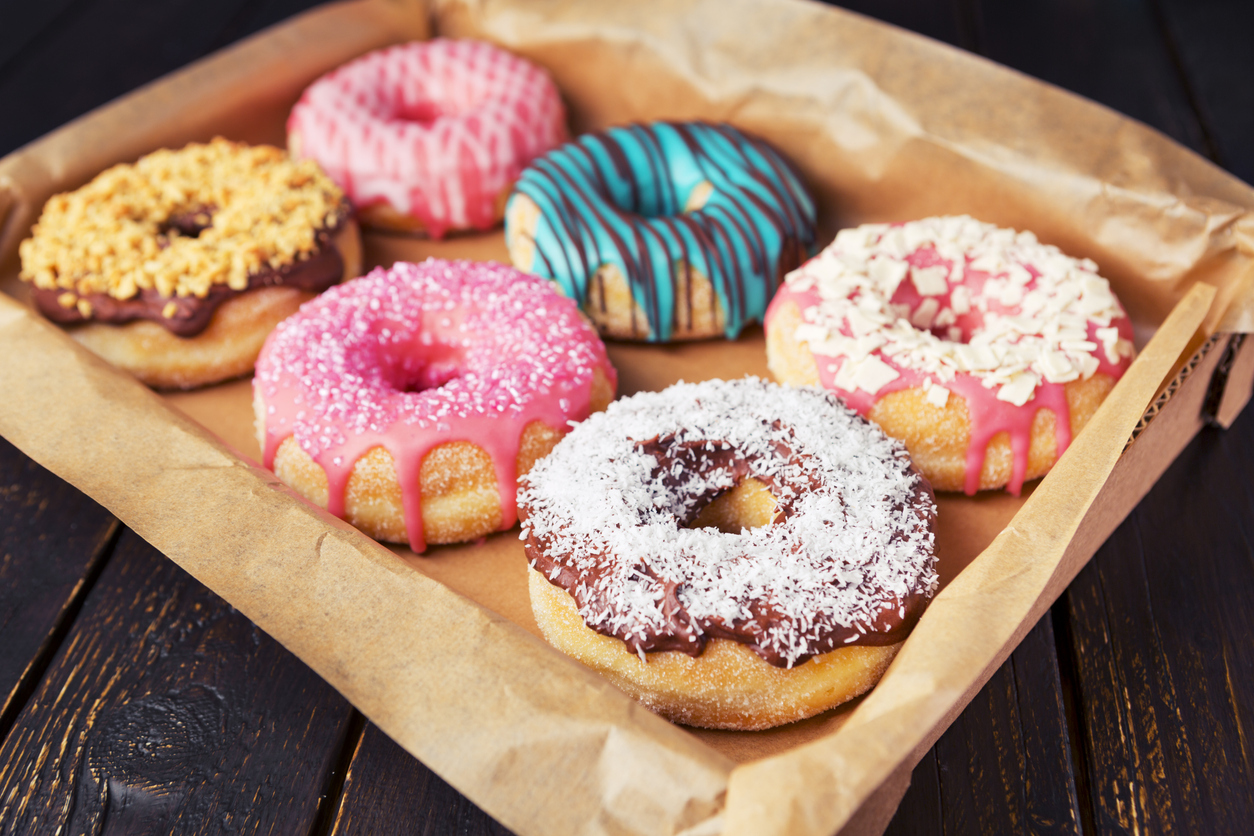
(983, 349)
(408, 401)
(429, 136)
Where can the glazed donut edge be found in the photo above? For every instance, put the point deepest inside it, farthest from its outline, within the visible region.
(226, 349)
(726, 687)
(428, 137)
(982, 348)
(408, 401)
(663, 232)
(742, 620)
(938, 438)
(460, 497)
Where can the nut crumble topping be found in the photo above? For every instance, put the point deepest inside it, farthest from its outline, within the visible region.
(181, 222)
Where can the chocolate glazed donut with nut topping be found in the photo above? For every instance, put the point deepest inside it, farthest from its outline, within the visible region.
(176, 268)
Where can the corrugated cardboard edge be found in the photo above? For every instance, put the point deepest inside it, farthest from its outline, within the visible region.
(1234, 389)
(894, 725)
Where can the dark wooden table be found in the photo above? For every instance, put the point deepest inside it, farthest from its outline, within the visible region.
(134, 700)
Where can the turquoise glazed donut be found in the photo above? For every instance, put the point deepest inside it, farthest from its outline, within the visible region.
(668, 231)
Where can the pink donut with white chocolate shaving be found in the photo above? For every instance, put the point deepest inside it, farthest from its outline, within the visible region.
(415, 359)
(982, 348)
(429, 135)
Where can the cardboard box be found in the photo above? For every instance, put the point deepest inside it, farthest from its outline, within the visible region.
(440, 651)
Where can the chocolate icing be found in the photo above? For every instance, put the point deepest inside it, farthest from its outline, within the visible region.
(324, 268)
(682, 632)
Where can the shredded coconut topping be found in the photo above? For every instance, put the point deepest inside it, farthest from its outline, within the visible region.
(952, 295)
(857, 540)
(182, 221)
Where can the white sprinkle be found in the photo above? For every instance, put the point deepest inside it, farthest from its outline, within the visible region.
(861, 534)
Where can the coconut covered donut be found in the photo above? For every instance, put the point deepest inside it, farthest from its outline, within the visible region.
(429, 136)
(981, 348)
(668, 231)
(409, 401)
(734, 554)
(176, 268)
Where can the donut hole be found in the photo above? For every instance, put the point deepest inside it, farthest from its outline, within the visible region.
(426, 378)
(747, 506)
(424, 113)
(186, 223)
(421, 368)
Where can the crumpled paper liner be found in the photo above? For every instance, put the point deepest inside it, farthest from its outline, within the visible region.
(884, 125)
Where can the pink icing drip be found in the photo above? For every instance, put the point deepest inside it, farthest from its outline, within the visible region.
(988, 415)
(488, 349)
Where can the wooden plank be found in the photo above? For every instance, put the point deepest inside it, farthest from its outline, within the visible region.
(154, 37)
(165, 710)
(257, 15)
(1051, 805)
(1160, 625)
(388, 791)
(1212, 44)
(936, 20)
(1114, 53)
(1004, 766)
(920, 809)
(53, 539)
(24, 23)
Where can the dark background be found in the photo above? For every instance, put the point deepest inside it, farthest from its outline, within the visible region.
(136, 701)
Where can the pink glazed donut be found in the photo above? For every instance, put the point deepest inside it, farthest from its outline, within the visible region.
(430, 135)
(981, 348)
(409, 401)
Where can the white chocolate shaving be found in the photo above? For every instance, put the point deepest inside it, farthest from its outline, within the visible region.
(1013, 312)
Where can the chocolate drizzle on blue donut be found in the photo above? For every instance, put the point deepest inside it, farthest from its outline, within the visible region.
(618, 198)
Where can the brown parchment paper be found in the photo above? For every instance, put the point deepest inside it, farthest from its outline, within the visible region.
(885, 125)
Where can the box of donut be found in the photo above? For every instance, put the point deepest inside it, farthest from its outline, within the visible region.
(652, 422)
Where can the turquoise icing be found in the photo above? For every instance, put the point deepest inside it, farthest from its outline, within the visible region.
(618, 197)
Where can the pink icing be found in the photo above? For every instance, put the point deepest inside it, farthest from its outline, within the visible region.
(421, 355)
(438, 129)
(988, 416)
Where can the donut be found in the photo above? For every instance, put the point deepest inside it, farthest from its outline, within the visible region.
(981, 348)
(176, 267)
(428, 136)
(667, 231)
(408, 401)
(734, 554)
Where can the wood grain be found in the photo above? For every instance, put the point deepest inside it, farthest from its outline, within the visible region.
(1114, 53)
(1211, 46)
(943, 21)
(388, 791)
(167, 711)
(1005, 764)
(1161, 627)
(96, 50)
(53, 539)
